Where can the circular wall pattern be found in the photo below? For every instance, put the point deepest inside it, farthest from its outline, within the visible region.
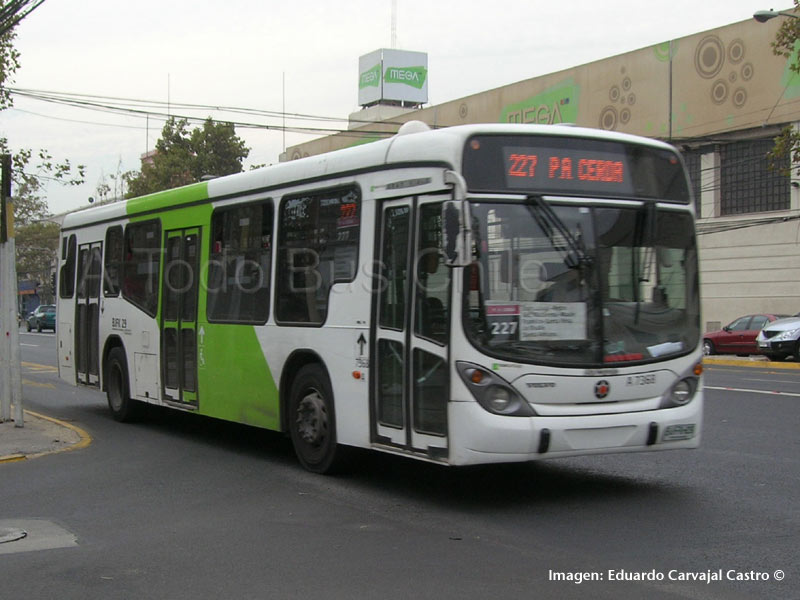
(709, 56)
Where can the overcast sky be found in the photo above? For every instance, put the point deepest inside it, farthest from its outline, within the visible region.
(303, 56)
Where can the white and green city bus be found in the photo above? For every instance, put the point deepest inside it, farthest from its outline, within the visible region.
(474, 294)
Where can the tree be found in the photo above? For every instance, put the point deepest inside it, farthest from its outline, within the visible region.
(182, 157)
(30, 171)
(36, 239)
(787, 143)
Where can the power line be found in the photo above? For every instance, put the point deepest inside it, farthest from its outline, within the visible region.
(151, 108)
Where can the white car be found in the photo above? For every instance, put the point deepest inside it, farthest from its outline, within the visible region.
(780, 339)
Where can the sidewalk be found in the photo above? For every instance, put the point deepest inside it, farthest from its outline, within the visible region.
(40, 435)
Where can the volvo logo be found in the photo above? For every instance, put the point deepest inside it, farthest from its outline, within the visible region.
(601, 389)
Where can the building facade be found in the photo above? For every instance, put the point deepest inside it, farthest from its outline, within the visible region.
(720, 96)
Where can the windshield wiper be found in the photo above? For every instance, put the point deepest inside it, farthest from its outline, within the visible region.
(575, 253)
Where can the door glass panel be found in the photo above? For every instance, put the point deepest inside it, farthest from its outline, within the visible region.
(83, 272)
(171, 358)
(433, 278)
(430, 393)
(81, 336)
(93, 283)
(189, 288)
(94, 337)
(173, 270)
(189, 362)
(394, 267)
(390, 383)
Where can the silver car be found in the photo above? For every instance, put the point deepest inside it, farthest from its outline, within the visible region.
(780, 339)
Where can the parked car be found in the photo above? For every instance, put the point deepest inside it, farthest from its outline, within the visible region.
(780, 339)
(739, 336)
(43, 317)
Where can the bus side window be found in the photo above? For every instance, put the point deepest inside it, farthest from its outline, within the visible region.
(241, 259)
(317, 247)
(142, 248)
(112, 261)
(66, 278)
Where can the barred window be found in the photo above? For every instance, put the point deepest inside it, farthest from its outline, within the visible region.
(748, 183)
(692, 159)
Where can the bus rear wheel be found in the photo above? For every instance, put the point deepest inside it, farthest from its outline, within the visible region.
(312, 421)
(122, 407)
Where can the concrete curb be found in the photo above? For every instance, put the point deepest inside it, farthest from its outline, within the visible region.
(747, 362)
(38, 442)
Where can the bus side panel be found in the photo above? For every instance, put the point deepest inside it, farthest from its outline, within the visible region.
(234, 378)
(65, 339)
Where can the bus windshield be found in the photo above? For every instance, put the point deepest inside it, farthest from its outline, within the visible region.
(582, 286)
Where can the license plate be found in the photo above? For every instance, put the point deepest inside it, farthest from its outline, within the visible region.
(673, 433)
(763, 345)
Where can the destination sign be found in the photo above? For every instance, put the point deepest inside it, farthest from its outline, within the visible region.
(564, 165)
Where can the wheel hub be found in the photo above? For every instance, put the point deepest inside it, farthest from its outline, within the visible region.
(312, 418)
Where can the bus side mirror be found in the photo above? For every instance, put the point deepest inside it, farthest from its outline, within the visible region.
(456, 224)
(456, 233)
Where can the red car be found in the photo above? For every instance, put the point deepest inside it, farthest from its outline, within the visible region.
(738, 337)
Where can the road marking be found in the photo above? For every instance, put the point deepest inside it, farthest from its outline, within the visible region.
(37, 368)
(769, 392)
(48, 386)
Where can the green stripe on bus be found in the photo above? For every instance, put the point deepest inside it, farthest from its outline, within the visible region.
(168, 198)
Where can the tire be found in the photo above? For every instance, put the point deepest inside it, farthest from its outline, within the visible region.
(797, 351)
(312, 421)
(708, 348)
(122, 407)
(775, 357)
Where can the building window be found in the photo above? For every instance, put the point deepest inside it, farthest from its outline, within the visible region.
(240, 266)
(140, 267)
(692, 158)
(317, 247)
(748, 184)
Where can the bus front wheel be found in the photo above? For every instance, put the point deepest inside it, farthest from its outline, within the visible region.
(312, 421)
(122, 407)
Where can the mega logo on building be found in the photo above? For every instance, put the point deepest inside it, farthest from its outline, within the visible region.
(394, 76)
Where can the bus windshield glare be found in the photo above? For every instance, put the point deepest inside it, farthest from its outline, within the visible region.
(582, 286)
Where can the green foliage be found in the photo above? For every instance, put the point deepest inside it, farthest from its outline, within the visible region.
(30, 174)
(182, 157)
(9, 63)
(37, 249)
(787, 143)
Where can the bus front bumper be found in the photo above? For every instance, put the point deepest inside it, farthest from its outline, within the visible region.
(478, 436)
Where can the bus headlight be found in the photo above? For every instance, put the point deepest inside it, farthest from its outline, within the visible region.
(680, 393)
(492, 392)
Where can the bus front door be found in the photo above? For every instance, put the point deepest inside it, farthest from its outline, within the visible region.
(410, 383)
(179, 287)
(87, 313)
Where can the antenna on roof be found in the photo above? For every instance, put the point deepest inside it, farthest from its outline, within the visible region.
(394, 24)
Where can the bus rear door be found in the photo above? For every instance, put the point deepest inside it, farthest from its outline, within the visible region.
(87, 313)
(179, 316)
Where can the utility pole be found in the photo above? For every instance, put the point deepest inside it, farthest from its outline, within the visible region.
(10, 368)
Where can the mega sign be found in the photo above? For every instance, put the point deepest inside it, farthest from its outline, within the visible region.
(395, 75)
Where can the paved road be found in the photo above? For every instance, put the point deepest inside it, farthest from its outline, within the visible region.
(182, 507)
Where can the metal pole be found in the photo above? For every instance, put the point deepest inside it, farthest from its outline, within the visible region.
(9, 326)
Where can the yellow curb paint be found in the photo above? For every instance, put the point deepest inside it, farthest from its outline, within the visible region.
(12, 458)
(762, 364)
(85, 440)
